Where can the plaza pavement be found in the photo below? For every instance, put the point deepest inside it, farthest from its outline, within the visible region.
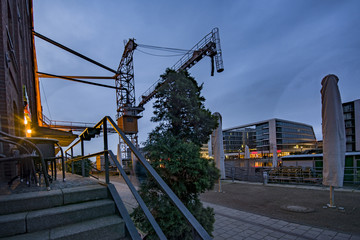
(233, 224)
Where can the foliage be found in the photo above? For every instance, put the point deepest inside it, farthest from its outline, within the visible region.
(173, 149)
(179, 108)
(77, 167)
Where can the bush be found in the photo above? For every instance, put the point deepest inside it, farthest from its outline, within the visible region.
(77, 167)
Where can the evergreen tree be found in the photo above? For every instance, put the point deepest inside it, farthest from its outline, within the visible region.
(173, 149)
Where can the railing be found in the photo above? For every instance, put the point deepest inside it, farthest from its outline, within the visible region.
(201, 232)
(290, 175)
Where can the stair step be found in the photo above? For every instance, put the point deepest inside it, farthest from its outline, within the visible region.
(23, 202)
(12, 224)
(17, 223)
(109, 227)
(53, 217)
(84, 193)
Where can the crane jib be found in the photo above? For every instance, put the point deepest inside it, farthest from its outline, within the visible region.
(207, 46)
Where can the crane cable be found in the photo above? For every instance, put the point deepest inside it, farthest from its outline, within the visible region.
(158, 55)
(46, 101)
(179, 51)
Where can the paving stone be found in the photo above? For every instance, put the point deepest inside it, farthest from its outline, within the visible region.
(329, 233)
(287, 237)
(225, 235)
(311, 234)
(277, 234)
(257, 236)
(269, 238)
(343, 235)
(255, 228)
(316, 229)
(341, 238)
(303, 227)
(323, 237)
(298, 231)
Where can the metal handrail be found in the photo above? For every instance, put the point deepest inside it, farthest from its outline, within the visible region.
(174, 199)
(133, 191)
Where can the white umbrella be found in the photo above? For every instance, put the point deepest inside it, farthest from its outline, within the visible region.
(333, 129)
(247, 152)
(218, 147)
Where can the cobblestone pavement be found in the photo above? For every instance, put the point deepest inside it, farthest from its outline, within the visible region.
(236, 225)
(233, 224)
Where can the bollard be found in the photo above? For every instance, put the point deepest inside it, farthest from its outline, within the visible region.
(265, 178)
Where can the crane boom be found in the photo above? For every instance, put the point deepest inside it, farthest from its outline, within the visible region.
(127, 111)
(207, 46)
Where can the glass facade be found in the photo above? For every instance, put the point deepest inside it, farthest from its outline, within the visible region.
(294, 137)
(287, 137)
(236, 140)
(349, 118)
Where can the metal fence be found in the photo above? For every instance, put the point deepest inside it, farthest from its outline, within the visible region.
(237, 170)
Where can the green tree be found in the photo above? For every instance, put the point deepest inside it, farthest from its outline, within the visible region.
(173, 149)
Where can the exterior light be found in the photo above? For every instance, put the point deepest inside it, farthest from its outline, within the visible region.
(28, 131)
(25, 121)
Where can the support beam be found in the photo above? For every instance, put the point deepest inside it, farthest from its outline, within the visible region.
(75, 80)
(77, 77)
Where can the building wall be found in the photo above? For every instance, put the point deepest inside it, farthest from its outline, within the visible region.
(16, 72)
(17, 65)
(357, 124)
(352, 125)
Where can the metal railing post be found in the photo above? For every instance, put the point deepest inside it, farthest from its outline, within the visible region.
(72, 163)
(82, 160)
(106, 156)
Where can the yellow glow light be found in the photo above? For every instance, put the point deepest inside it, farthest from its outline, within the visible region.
(29, 131)
(25, 121)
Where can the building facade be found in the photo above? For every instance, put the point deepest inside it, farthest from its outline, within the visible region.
(19, 103)
(352, 125)
(18, 99)
(266, 138)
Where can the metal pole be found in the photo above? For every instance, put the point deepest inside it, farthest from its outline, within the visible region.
(106, 157)
(332, 203)
(72, 162)
(82, 160)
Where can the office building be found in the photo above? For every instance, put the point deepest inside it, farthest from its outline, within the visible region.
(265, 138)
(352, 125)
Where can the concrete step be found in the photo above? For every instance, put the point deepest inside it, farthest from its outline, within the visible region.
(64, 215)
(108, 227)
(23, 202)
(53, 217)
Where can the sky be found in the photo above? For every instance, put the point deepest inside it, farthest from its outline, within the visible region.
(275, 54)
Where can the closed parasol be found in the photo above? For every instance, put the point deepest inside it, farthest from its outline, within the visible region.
(333, 129)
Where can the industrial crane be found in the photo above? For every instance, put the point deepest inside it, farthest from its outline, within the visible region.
(127, 111)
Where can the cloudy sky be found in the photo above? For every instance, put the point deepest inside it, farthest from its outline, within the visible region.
(275, 54)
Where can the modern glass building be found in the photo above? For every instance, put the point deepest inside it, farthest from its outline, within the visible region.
(268, 137)
(352, 125)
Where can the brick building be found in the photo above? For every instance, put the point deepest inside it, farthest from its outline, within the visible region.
(18, 99)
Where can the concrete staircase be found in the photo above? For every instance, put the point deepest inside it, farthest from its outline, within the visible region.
(84, 212)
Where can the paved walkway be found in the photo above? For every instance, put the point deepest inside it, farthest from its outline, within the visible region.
(236, 225)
